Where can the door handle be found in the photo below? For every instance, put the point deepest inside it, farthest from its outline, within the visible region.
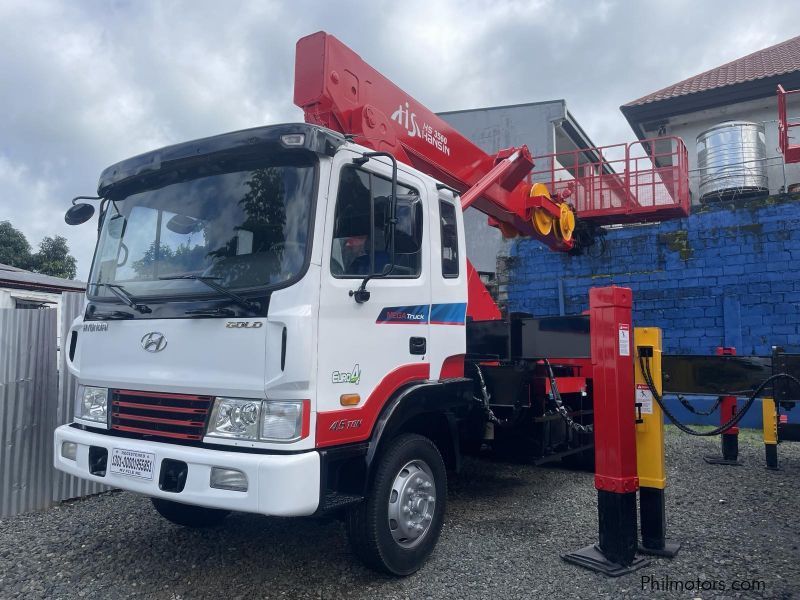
(417, 345)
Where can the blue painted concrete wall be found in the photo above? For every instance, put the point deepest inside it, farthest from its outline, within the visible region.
(726, 275)
(723, 276)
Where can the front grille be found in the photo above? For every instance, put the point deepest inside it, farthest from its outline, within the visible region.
(157, 415)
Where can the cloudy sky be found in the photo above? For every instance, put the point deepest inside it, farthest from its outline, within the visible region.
(86, 83)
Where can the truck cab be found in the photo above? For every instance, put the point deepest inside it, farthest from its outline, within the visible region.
(275, 323)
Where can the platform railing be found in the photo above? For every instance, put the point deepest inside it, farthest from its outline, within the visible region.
(790, 151)
(643, 181)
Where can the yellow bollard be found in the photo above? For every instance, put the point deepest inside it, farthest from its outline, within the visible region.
(650, 447)
(769, 418)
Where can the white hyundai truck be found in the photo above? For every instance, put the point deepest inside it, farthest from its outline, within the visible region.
(223, 361)
(276, 323)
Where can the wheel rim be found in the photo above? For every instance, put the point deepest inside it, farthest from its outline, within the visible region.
(412, 503)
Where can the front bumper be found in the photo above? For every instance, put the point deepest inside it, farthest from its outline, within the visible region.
(278, 484)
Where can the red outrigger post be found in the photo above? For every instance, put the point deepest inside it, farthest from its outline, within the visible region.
(336, 88)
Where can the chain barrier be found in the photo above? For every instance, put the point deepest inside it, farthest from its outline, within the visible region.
(701, 413)
(485, 398)
(555, 396)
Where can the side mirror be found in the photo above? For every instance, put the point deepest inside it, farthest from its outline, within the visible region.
(78, 214)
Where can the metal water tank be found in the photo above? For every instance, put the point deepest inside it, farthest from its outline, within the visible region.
(731, 160)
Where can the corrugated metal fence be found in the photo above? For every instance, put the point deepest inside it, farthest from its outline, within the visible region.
(67, 486)
(34, 399)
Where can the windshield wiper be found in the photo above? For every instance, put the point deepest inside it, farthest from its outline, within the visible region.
(112, 316)
(123, 295)
(211, 282)
(211, 312)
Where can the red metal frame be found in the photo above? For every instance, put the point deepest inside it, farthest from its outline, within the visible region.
(480, 306)
(643, 181)
(567, 385)
(791, 152)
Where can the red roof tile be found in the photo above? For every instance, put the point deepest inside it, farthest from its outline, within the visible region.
(776, 60)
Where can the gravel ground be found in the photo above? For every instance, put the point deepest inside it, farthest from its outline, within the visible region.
(506, 526)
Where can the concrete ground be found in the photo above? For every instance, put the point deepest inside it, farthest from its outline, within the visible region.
(506, 526)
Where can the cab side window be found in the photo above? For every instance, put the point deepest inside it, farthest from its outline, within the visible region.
(361, 233)
(447, 216)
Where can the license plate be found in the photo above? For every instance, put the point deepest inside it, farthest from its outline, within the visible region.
(132, 463)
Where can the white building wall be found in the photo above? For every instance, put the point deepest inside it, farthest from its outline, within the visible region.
(764, 111)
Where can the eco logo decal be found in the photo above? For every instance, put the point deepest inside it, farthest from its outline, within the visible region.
(353, 377)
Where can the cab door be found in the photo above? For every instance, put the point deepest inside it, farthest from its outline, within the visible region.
(448, 287)
(369, 350)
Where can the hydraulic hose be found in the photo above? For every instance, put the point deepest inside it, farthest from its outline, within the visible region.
(702, 413)
(560, 408)
(648, 377)
(485, 398)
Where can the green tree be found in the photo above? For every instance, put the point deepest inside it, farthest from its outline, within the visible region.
(180, 260)
(53, 258)
(14, 248)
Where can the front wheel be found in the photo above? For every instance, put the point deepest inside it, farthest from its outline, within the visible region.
(396, 529)
(189, 515)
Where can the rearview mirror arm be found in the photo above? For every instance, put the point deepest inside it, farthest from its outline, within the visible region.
(361, 294)
(76, 198)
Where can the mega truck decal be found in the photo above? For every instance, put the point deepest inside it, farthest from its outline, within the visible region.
(451, 313)
(416, 315)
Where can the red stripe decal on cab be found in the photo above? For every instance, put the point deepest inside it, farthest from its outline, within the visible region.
(355, 424)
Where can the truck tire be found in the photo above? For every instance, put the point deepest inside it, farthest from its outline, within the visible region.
(396, 528)
(189, 515)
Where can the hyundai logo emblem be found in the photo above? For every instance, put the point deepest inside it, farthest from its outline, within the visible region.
(154, 341)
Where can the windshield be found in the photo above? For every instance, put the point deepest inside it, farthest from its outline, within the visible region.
(247, 229)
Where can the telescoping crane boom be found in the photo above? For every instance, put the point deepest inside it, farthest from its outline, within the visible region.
(336, 88)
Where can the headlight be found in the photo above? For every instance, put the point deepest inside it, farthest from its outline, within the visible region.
(235, 418)
(92, 404)
(282, 421)
(268, 420)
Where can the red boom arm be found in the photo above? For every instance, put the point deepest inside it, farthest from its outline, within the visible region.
(337, 89)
